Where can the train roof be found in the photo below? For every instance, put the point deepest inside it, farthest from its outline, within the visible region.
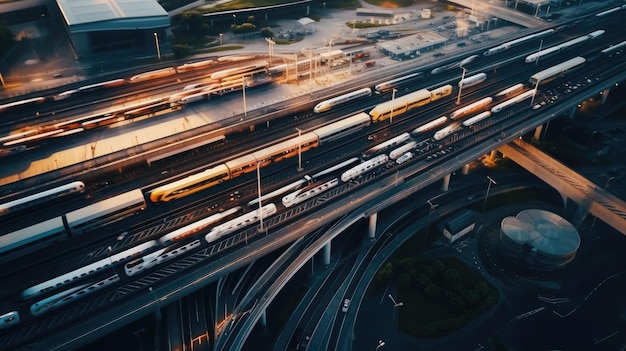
(109, 205)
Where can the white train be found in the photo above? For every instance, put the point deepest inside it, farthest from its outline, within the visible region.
(394, 83)
(519, 41)
(512, 101)
(364, 167)
(510, 91)
(479, 117)
(9, 319)
(191, 229)
(558, 48)
(471, 108)
(159, 73)
(472, 80)
(154, 259)
(240, 222)
(402, 150)
(304, 194)
(386, 145)
(430, 125)
(46, 195)
(80, 273)
(330, 103)
(63, 298)
(442, 133)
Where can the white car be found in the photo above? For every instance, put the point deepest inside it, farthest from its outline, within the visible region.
(346, 304)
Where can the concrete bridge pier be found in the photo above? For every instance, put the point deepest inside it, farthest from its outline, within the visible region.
(445, 183)
(371, 229)
(465, 169)
(538, 131)
(573, 111)
(327, 254)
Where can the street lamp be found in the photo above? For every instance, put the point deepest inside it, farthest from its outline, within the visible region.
(393, 97)
(590, 138)
(234, 19)
(395, 312)
(270, 44)
(299, 150)
(430, 211)
(458, 98)
(221, 35)
(156, 40)
(380, 344)
(158, 312)
(395, 304)
(538, 51)
(243, 88)
(324, 5)
(258, 180)
(109, 249)
(488, 188)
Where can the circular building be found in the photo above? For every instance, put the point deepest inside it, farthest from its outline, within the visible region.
(541, 239)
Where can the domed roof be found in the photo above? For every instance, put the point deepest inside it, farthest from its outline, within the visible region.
(547, 232)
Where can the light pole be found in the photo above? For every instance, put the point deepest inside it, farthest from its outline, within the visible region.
(395, 312)
(258, 180)
(393, 97)
(538, 51)
(590, 138)
(270, 44)
(299, 150)
(430, 211)
(234, 19)
(158, 311)
(324, 5)
(380, 344)
(458, 98)
(109, 249)
(243, 88)
(156, 40)
(532, 101)
(221, 35)
(488, 188)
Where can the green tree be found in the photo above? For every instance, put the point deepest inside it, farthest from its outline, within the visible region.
(267, 32)
(181, 50)
(243, 28)
(251, 19)
(193, 20)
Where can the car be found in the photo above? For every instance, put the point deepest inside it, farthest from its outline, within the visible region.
(122, 236)
(346, 305)
(461, 44)
(438, 54)
(405, 157)
(536, 106)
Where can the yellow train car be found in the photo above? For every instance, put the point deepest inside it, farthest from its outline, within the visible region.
(440, 92)
(286, 149)
(400, 105)
(191, 184)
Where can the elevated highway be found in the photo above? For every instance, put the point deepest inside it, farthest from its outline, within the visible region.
(571, 185)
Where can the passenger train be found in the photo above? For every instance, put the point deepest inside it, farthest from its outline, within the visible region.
(38, 198)
(558, 48)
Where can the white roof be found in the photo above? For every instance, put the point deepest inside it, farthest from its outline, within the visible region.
(94, 15)
(305, 20)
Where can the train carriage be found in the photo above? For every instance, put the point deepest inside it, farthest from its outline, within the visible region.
(104, 212)
(337, 130)
(400, 105)
(286, 149)
(31, 238)
(191, 184)
(37, 198)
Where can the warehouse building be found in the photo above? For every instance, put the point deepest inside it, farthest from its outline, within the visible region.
(96, 26)
(411, 46)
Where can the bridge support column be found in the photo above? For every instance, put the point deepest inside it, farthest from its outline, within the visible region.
(538, 131)
(492, 155)
(327, 254)
(583, 210)
(371, 229)
(465, 169)
(446, 183)
(605, 95)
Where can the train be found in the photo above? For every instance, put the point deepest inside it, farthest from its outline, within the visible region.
(553, 72)
(72, 224)
(408, 102)
(613, 49)
(558, 48)
(396, 82)
(516, 42)
(41, 197)
(330, 103)
(291, 147)
(472, 80)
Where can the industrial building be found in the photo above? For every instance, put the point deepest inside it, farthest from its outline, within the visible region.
(106, 26)
(411, 46)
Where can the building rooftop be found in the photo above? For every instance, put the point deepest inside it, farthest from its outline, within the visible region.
(96, 15)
